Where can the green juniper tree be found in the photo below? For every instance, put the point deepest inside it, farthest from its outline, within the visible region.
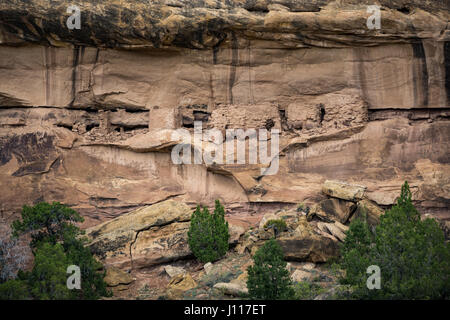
(208, 234)
(221, 234)
(412, 255)
(47, 280)
(57, 244)
(47, 222)
(92, 284)
(268, 278)
(14, 289)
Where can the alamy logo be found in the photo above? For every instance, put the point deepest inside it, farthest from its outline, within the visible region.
(374, 280)
(374, 21)
(74, 280)
(74, 21)
(208, 147)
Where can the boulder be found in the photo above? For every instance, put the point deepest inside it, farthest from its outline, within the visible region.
(343, 228)
(179, 285)
(301, 275)
(246, 244)
(208, 267)
(292, 218)
(150, 235)
(115, 277)
(236, 289)
(313, 248)
(159, 214)
(308, 266)
(332, 229)
(370, 210)
(174, 271)
(235, 232)
(343, 190)
(333, 209)
(160, 245)
(303, 229)
(147, 236)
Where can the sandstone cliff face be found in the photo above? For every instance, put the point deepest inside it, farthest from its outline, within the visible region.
(86, 115)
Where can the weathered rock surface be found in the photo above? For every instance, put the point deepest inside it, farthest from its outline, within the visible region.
(232, 288)
(332, 229)
(368, 210)
(87, 116)
(342, 190)
(314, 248)
(333, 210)
(301, 275)
(179, 285)
(115, 277)
(174, 271)
(147, 236)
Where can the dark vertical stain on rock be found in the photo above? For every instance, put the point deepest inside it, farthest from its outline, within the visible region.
(47, 64)
(447, 69)
(215, 51)
(419, 53)
(76, 54)
(234, 63)
(360, 53)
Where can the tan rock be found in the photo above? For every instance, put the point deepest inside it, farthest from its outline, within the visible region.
(235, 232)
(242, 278)
(232, 288)
(304, 229)
(179, 285)
(148, 236)
(208, 267)
(343, 190)
(365, 107)
(334, 230)
(115, 277)
(308, 266)
(251, 116)
(301, 275)
(342, 227)
(144, 237)
(174, 271)
(368, 209)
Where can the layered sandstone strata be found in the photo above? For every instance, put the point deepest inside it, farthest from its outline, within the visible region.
(86, 115)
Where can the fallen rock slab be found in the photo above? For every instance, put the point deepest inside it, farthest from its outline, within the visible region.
(369, 210)
(343, 190)
(334, 230)
(314, 248)
(333, 209)
(159, 228)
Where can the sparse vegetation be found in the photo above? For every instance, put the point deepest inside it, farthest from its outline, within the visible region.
(13, 255)
(306, 290)
(279, 225)
(208, 233)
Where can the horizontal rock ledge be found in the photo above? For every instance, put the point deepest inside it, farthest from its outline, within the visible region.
(200, 24)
